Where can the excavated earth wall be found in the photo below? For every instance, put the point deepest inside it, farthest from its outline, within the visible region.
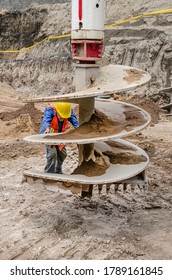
(18, 4)
(144, 43)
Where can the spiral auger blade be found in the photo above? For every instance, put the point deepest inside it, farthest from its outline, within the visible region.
(114, 162)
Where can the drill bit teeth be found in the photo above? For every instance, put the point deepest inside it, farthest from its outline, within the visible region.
(104, 186)
(116, 186)
(108, 188)
(100, 189)
(124, 187)
(133, 187)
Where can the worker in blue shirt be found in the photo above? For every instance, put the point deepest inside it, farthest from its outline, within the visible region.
(56, 120)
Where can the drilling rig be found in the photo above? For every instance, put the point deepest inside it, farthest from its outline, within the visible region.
(103, 122)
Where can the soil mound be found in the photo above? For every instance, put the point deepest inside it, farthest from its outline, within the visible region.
(28, 109)
(90, 169)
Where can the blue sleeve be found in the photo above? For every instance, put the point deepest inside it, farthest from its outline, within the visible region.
(47, 118)
(73, 119)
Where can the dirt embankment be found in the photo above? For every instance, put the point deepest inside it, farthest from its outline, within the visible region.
(144, 43)
(25, 113)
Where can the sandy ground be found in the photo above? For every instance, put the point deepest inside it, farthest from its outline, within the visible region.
(46, 222)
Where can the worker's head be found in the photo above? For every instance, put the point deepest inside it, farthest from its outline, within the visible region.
(63, 109)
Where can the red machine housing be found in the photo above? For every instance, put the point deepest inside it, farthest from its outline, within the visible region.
(87, 50)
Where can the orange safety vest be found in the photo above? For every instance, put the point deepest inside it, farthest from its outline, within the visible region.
(54, 125)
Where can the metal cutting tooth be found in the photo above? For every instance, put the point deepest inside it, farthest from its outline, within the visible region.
(100, 189)
(132, 187)
(124, 187)
(108, 188)
(116, 186)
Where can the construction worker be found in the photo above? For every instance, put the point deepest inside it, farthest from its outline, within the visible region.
(55, 120)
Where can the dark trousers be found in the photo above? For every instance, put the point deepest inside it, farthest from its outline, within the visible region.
(55, 158)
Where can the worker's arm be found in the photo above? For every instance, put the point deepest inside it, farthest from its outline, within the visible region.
(73, 119)
(47, 118)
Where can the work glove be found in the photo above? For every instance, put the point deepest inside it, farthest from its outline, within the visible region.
(47, 130)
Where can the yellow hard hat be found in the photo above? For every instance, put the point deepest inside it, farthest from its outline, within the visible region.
(64, 109)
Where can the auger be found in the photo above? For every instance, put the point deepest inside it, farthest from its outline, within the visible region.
(103, 122)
